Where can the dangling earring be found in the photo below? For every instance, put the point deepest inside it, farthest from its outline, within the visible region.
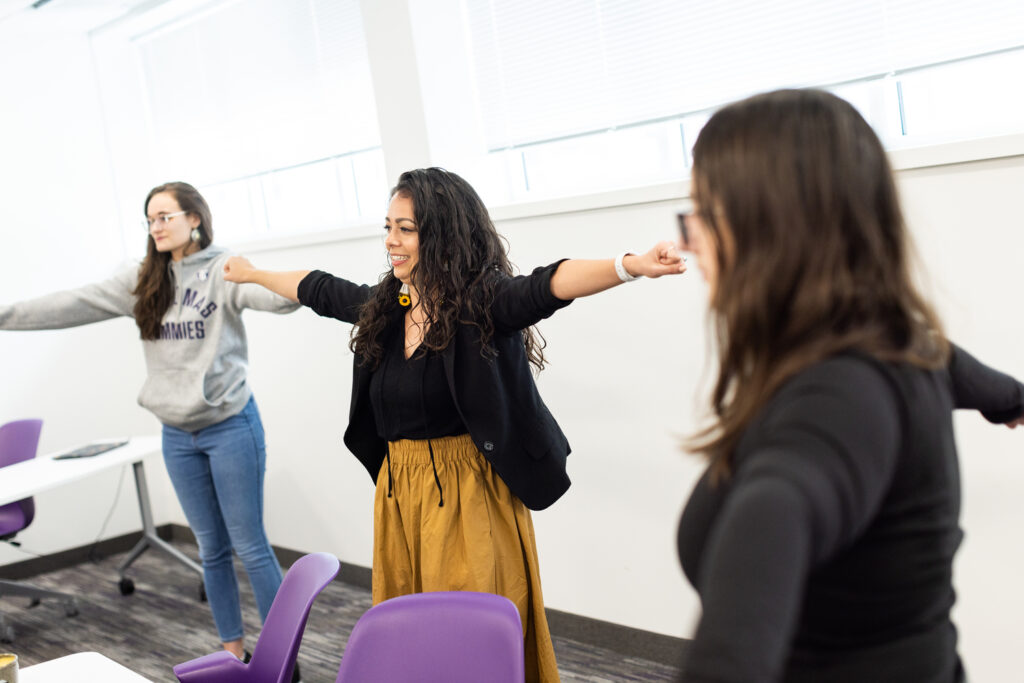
(195, 234)
(403, 295)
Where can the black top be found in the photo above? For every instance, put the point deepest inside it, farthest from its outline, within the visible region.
(410, 396)
(827, 555)
(496, 397)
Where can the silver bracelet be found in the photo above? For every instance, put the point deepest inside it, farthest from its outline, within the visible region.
(620, 269)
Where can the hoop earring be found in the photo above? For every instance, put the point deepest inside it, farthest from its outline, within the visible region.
(195, 234)
(403, 295)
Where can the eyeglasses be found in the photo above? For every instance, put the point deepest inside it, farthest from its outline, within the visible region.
(163, 218)
(684, 231)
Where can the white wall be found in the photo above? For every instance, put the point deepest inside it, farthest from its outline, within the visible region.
(623, 380)
(58, 228)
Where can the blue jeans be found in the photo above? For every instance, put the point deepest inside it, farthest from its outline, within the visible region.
(217, 473)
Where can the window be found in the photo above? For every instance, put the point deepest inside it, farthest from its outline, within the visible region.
(266, 106)
(587, 95)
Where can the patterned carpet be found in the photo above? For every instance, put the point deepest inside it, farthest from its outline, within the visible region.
(163, 623)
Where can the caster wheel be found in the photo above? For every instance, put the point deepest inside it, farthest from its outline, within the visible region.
(126, 586)
(7, 634)
(202, 592)
(70, 608)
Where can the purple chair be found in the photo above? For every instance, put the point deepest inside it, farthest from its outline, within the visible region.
(445, 637)
(19, 441)
(273, 657)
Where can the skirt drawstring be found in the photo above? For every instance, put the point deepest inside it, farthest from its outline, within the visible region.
(433, 466)
(437, 480)
(390, 480)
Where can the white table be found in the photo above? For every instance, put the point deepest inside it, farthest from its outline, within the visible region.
(43, 473)
(82, 667)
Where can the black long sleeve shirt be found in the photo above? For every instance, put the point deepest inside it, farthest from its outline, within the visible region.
(827, 556)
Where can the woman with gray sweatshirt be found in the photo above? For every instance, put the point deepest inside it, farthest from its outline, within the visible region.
(195, 347)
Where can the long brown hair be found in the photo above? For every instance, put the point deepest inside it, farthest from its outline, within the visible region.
(462, 259)
(797, 194)
(155, 291)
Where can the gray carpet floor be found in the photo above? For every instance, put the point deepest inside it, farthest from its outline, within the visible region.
(163, 623)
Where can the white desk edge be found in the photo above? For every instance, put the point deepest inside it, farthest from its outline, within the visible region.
(43, 472)
(81, 666)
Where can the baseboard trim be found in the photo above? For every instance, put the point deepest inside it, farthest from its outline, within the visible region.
(17, 571)
(629, 642)
(353, 574)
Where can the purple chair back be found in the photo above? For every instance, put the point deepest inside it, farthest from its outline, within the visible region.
(273, 656)
(444, 637)
(19, 441)
(282, 633)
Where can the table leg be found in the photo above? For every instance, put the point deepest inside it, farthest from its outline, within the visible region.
(149, 536)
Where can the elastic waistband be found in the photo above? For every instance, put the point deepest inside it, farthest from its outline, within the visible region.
(446, 449)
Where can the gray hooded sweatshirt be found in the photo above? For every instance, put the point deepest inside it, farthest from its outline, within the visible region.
(196, 370)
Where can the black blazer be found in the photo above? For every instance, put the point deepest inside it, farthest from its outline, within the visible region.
(496, 397)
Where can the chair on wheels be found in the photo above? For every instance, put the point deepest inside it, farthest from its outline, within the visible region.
(443, 637)
(18, 442)
(273, 657)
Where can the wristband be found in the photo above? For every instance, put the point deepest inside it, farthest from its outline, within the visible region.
(620, 269)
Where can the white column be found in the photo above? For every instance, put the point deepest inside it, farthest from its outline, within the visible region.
(400, 113)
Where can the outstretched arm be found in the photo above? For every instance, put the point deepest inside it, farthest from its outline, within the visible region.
(329, 296)
(89, 304)
(286, 283)
(577, 277)
(997, 396)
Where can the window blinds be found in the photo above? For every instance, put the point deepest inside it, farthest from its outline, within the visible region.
(546, 70)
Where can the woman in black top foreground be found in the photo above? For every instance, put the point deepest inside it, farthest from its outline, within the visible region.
(445, 414)
(821, 538)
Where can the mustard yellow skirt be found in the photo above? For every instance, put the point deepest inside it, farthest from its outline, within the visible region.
(480, 540)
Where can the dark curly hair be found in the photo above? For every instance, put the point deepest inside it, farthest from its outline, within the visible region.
(462, 259)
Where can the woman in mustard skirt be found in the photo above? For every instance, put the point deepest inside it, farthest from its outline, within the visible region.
(445, 414)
